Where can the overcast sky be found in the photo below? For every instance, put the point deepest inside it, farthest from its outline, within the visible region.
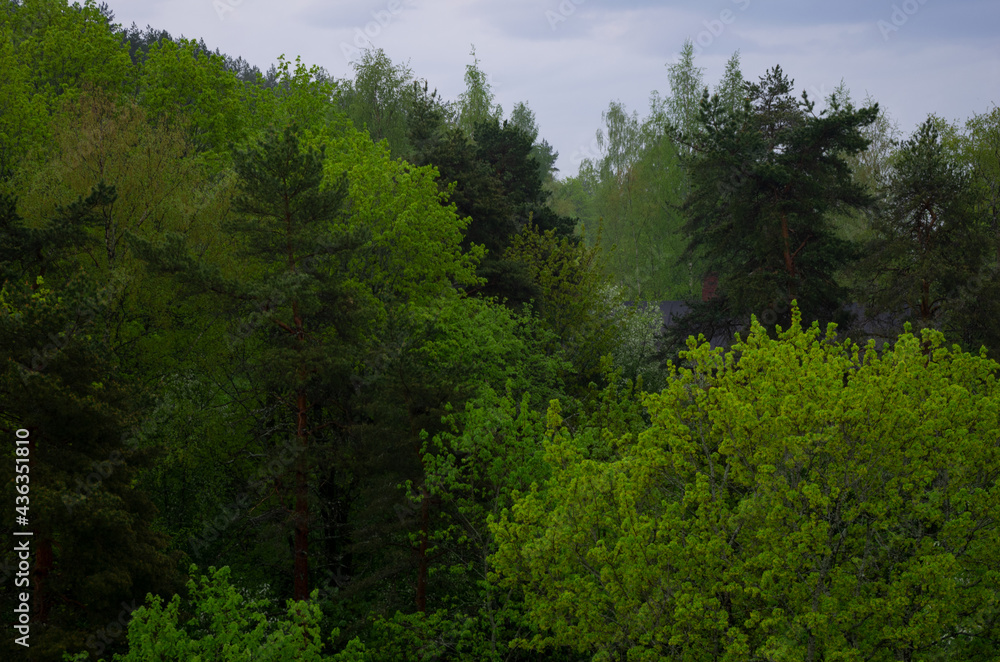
(569, 58)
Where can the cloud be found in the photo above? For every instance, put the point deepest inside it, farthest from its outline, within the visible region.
(570, 58)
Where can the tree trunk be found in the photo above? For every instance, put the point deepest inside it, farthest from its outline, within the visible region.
(785, 236)
(925, 301)
(424, 534)
(301, 568)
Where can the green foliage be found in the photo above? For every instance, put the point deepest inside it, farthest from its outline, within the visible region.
(475, 105)
(508, 152)
(979, 301)
(765, 180)
(497, 184)
(180, 81)
(215, 623)
(305, 97)
(981, 148)
(23, 111)
(928, 242)
(472, 470)
(239, 312)
(68, 48)
(575, 297)
(94, 542)
(379, 99)
(637, 187)
(414, 250)
(687, 86)
(570, 197)
(794, 498)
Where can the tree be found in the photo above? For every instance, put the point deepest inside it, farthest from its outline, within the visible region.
(576, 300)
(23, 111)
(446, 354)
(508, 152)
(472, 469)
(523, 118)
(287, 222)
(379, 99)
(981, 148)
(286, 227)
(731, 88)
(475, 105)
(427, 122)
(221, 624)
(319, 287)
(872, 167)
(765, 181)
(979, 307)
(793, 498)
(69, 49)
(687, 87)
(181, 81)
(638, 185)
(496, 183)
(928, 241)
(95, 544)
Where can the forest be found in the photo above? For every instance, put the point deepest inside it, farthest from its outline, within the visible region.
(305, 368)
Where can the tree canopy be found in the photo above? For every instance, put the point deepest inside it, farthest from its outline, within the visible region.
(409, 392)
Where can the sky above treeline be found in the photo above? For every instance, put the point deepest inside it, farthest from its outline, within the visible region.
(569, 58)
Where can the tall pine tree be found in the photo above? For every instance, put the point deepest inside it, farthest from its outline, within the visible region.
(765, 179)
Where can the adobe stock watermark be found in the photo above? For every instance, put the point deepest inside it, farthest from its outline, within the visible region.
(898, 18)
(715, 28)
(85, 487)
(257, 488)
(565, 9)
(363, 37)
(591, 152)
(85, 314)
(224, 7)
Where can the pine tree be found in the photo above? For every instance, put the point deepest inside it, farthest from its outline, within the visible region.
(94, 545)
(286, 224)
(765, 179)
(929, 242)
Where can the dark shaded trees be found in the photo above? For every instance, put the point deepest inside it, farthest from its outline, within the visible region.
(764, 180)
(94, 542)
(286, 222)
(928, 242)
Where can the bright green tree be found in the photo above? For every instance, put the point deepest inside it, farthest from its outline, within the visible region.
(379, 99)
(68, 48)
(216, 623)
(795, 498)
(182, 82)
(23, 111)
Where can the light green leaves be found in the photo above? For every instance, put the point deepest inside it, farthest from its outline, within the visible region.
(219, 624)
(795, 498)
